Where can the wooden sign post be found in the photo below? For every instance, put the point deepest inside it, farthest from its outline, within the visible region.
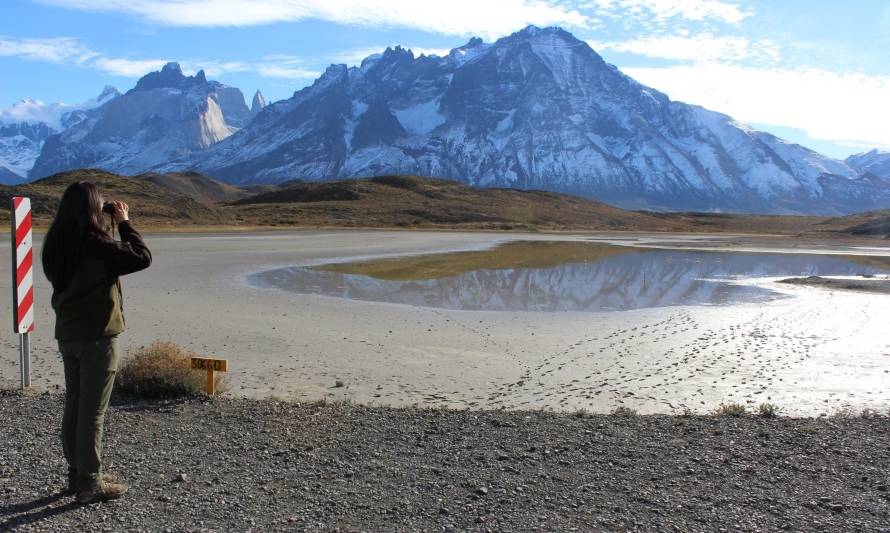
(211, 366)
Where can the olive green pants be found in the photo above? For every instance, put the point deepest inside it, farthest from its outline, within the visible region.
(90, 369)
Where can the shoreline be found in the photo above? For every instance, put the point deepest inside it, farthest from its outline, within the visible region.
(40, 226)
(655, 360)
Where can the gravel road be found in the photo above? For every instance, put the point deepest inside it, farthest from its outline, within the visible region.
(245, 465)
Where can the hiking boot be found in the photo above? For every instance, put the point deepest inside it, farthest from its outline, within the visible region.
(72, 481)
(99, 490)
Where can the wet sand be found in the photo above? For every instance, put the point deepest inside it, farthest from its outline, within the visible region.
(815, 352)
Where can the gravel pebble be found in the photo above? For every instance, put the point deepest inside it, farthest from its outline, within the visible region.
(273, 466)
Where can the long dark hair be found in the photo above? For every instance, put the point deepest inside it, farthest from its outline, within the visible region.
(79, 218)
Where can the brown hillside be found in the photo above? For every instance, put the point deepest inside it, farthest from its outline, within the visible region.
(873, 223)
(148, 201)
(408, 201)
(189, 200)
(197, 186)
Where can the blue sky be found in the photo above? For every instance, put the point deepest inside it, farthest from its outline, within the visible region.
(814, 72)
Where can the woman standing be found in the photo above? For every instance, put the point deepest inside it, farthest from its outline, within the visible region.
(83, 262)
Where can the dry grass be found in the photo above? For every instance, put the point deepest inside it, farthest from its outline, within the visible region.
(730, 409)
(768, 410)
(522, 254)
(163, 370)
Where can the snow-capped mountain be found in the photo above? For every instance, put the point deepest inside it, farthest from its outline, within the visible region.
(166, 116)
(875, 162)
(537, 109)
(26, 125)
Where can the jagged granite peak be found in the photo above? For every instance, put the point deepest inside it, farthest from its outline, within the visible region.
(875, 162)
(258, 103)
(27, 124)
(167, 115)
(170, 76)
(538, 109)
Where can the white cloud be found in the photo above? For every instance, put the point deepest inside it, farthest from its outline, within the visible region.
(271, 70)
(489, 19)
(54, 50)
(695, 10)
(70, 51)
(846, 108)
(355, 56)
(128, 68)
(704, 47)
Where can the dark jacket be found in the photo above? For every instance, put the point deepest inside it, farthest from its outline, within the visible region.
(90, 306)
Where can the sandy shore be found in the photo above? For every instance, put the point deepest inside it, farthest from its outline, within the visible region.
(813, 353)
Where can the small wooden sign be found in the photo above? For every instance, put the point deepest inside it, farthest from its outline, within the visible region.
(219, 365)
(211, 366)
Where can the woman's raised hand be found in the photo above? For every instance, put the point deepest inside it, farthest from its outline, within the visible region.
(121, 211)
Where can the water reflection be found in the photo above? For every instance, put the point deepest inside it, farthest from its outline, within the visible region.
(633, 280)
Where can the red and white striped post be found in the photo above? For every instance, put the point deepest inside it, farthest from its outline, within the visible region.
(22, 281)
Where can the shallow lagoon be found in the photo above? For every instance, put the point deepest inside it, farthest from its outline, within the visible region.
(550, 276)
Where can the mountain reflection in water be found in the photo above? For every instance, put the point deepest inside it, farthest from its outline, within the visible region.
(633, 280)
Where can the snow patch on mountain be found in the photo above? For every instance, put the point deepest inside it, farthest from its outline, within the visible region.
(56, 114)
(422, 118)
(25, 126)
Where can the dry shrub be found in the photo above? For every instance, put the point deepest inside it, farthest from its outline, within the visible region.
(730, 409)
(163, 370)
(768, 410)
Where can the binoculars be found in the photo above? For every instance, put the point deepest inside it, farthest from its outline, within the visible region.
(108, 207)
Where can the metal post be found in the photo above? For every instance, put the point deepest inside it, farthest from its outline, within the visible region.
(25, 343)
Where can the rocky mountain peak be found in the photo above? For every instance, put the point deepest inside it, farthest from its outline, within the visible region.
(472, 43)
(332, 75)
(875, 162)
(108, 92)
(170, 76)
(259, 102)
(397, 52)
(532, 32)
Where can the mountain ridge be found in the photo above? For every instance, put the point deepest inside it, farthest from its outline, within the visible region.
(538, 109)
(26, 125)
(166, 116)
